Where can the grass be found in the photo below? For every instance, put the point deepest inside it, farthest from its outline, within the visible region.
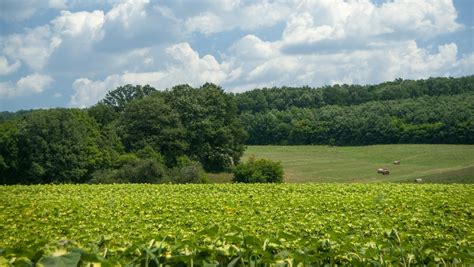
(432, 163)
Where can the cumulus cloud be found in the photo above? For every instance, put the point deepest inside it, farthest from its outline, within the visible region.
(14, 10)
(321, 24)
(206, 23)
(31, 84)
(247, 44)
(227, 15)
(377, 64)
(6, 68)
(250, 47)
(83, 25)
(128, 12)
(33, 47)
(186, 66)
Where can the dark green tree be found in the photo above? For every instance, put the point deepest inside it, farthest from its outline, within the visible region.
(119, 97)
(152, 122)
(213, 130)
(59, 145)
(9, 135)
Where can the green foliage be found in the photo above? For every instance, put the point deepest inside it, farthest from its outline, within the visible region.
(9, 160)
(59, 145)
(152, 122)
(142, 171)
(251, 225)
(444, 119)
(284, 98)
(258, 171)
(213, 130)
(187, 171)
(148, 166)
(68, 145)
(103, 114)
(123, 95)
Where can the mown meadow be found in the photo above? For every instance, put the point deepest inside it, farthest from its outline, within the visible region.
(237, 224)
(433, 163)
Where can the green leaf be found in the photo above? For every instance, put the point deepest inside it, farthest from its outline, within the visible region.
(67, 260)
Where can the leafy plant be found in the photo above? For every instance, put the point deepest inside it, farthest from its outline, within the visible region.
(258, 171)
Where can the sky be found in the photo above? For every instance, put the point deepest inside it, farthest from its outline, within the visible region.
(70, 53)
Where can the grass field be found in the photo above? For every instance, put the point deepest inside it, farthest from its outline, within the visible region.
(217, 224)
(433, 163)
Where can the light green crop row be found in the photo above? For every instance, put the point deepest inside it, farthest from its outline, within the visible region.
(262, 223)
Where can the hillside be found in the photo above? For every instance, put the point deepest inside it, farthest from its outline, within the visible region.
(432, 163)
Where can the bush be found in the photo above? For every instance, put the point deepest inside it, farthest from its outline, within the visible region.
(146, 166)
(106, 176)
(258, 171)
(149, 167)
(187, 171)
(143, 171)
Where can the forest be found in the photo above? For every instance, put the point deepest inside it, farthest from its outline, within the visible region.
(140, 134)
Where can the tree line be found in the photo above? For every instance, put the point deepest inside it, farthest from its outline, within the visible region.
(140, 134)
(283, 98)
(428, 119)
(135, 134)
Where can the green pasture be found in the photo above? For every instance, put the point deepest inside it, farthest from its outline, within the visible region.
(432, 163)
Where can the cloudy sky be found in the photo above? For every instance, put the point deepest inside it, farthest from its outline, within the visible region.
(70, 53)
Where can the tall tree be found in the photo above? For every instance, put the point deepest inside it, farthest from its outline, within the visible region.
(213, 130)
(152, 122)
(59, 145)
(119, 97)
(9, 134)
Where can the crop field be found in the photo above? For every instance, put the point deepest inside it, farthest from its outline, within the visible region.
(432, 163)
(237, 224)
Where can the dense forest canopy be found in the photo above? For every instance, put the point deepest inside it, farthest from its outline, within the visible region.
(283, 98)
(140, 134)
(135, 134)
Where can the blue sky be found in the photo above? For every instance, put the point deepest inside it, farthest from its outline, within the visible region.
(60, 53)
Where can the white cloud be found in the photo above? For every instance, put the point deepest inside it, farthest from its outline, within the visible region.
(57, 4)
(251, 47)
(322, 22)
(186, 67)
(33, 47)
(128, 12)
(385, 62)
(464, 66)
(318, 42)
(423, 17)
(87, 92)
(301, 29)
(6, 68)
(206, 23)
(31, 84)
(18, 10)
(227, 15)
(83, 24)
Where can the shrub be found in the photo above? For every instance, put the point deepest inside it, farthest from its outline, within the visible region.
(258, 171)
(187, 171)
(106, 176)
(130, 168)
(150, 168)
(143, 171)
